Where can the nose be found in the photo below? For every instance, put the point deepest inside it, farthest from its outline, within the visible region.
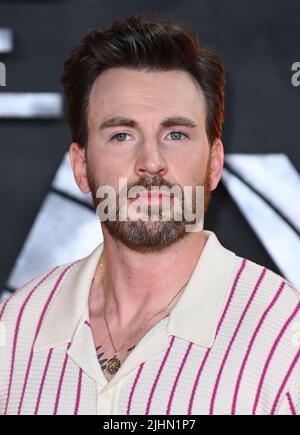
(150, 160)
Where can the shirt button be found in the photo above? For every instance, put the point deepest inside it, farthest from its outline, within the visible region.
(106, 396)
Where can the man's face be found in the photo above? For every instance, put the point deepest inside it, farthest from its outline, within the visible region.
(164, 144)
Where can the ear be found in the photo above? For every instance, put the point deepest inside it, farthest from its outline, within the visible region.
(216, 163)
(77, 156)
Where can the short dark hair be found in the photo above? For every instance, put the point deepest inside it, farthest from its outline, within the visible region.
(142, 42)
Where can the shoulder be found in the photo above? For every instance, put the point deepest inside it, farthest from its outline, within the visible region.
(251, 275)
(269, 306)
(272, 306)
(19, 313)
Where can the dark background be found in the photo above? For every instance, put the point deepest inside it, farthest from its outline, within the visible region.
(259, 40)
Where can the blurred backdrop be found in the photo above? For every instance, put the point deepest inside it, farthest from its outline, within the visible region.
(255, 211)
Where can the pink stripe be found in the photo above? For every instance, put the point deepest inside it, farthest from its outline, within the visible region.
(16, 334)
(238, 275)
(38, 330)
(78, 392)
(191, 402)
(42, 383)
(291, 404)
(243, 366)
(61, 380)
(285, 380)
(135, 384)
(158, 376)
(12, 295)
(241, 320)
(133, 388)
(270, 356)
(3, 308)
(177, 378)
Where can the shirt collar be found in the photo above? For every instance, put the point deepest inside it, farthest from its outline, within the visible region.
(194, 317)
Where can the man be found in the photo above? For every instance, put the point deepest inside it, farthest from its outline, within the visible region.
(157, 319)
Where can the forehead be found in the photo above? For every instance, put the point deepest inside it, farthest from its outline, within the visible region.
(160, 93)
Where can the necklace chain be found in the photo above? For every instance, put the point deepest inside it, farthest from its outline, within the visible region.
(143, 326)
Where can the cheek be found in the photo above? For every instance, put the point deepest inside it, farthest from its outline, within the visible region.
(199, 163)
(100, 166)
(195, 170)
(111, 176)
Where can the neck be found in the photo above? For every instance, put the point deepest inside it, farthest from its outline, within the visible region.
(138, 284)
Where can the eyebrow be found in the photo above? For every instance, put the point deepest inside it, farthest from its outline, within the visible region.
(123, 121)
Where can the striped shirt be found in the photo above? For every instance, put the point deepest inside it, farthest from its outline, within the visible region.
(230, 345)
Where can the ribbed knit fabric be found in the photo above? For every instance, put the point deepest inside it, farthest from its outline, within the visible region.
(253, 366)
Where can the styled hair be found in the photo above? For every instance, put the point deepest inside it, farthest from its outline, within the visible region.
(141, 42)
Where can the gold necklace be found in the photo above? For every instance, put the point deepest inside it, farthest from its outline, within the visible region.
(114, 363)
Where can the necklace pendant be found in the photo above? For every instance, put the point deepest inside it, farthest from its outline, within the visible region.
(113, 365)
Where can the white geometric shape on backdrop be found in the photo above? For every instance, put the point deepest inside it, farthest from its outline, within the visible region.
(63, 231)
(6, 40)
(275, 177)
(276, 235)
(31, 105)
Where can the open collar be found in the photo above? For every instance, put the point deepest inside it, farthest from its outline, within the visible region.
(194, 317)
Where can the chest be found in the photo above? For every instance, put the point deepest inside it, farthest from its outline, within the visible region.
(182, 379)
(119, 343)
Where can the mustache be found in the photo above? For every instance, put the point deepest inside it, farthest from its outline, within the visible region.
(152, 181)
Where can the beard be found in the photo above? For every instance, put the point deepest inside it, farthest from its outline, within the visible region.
(152, 236)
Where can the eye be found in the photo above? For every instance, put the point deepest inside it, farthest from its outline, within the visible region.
(119, 137)
(177, 135)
